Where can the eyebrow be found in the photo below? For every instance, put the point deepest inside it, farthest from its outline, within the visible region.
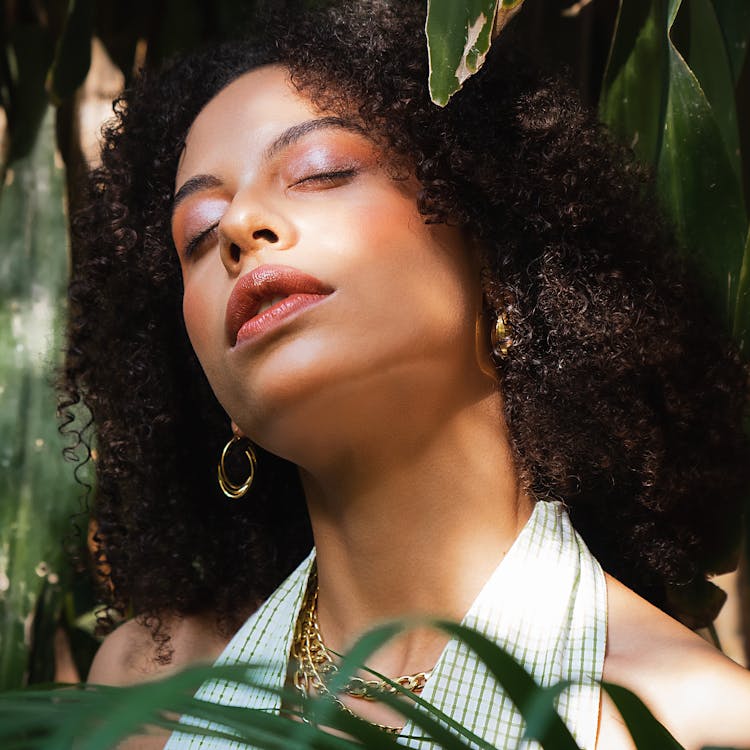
(295, 132)
(287, 138)
(194, 185)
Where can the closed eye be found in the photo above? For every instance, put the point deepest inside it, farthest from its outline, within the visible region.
(195, 243)
(330, 178)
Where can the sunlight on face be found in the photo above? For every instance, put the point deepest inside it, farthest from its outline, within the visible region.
(268, 187)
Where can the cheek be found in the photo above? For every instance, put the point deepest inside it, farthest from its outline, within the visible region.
(203, 320)
(421, 274)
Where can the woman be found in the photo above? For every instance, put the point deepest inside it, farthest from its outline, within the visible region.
(436, 327)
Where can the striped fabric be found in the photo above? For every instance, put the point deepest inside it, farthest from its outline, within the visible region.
(545, 604)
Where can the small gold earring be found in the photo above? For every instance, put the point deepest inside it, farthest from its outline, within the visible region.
(500, 334)
(228, 487)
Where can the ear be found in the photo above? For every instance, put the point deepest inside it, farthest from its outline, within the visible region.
(236, 430)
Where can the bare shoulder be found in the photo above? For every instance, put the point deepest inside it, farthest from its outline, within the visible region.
(700, 695)
(130, 655)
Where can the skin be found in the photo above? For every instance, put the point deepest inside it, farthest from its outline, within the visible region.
(402, 334)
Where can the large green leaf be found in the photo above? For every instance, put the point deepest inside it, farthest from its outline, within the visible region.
(37, 491)
(459, 35)
(458, 38)
(653, 100)
(734, 19)
(742, 310)
(699, 186)
(636, 80)
(708, 58)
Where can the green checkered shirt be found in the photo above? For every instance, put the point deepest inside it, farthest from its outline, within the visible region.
(545, 604)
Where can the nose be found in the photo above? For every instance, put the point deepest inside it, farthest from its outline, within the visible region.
(248, 227)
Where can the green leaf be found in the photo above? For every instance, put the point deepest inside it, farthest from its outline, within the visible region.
(73, 52)
(674, 8)
(535, 704)
(38, 493)
(741, 329)
(645, 730)
(542, 711)
(458, 39)
(549, 729)
(357, 657)
(699, 186)
(636, 79)
(708, 59)
(98, 717)
(653, 100)
(437, 725)
(734, 20)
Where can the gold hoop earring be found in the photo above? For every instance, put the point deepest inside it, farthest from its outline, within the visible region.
(228, 487)
(500, 334)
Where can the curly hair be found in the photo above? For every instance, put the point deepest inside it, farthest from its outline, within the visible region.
(622, 395)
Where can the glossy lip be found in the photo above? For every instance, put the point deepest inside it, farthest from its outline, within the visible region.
(262, 284)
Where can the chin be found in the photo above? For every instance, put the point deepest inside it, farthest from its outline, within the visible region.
(283, 402)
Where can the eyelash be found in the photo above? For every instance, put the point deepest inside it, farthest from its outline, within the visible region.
(334, 176)
(341, 174)
(195, 243)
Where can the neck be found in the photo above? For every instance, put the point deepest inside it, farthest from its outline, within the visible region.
(415, 527)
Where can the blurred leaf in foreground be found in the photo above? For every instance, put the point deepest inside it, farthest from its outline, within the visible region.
(47, 719)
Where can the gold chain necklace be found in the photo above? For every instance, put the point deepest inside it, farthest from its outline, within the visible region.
(316, 667)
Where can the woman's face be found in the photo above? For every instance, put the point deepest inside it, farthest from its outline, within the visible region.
(373, 320)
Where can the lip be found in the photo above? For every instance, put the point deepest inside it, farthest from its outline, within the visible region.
(263, 283)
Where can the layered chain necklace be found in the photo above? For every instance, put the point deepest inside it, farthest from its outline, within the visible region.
(316, 668)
